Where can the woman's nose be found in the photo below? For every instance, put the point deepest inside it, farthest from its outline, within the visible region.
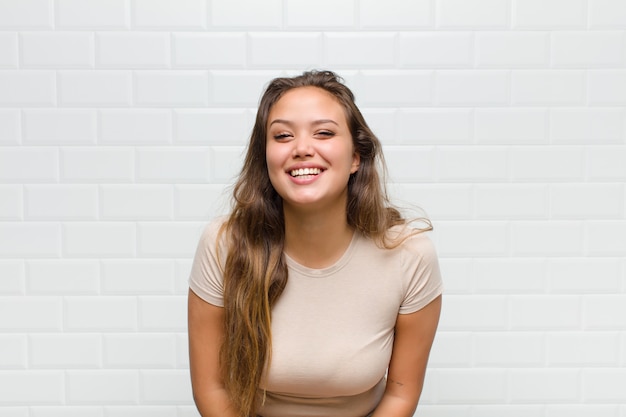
(303, 147)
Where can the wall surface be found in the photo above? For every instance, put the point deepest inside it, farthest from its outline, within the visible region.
(123, 121)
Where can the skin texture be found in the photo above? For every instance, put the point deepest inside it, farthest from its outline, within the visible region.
(414, 335)
(307, 128)
(205, 333)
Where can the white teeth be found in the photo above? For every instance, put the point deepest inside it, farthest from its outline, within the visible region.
(305, 171)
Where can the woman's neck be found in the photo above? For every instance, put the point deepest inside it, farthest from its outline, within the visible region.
(317, 239)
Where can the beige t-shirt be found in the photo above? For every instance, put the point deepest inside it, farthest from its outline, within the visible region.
(332, 328)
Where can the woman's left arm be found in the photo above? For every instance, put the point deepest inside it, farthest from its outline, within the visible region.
(414, 335)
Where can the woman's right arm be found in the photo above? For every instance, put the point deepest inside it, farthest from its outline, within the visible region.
(206, 332)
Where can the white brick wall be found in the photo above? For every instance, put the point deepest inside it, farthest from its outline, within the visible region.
(123, 121)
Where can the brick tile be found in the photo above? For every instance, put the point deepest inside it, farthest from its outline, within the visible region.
(606, 238)
(13, 277)
(54, 127)
(92, 14)
(26, 14)
(95, 88)
(57, 50)
(440, 201)
(451, 349)
(305, 15)
(598, 349)
(410, 164)
(212, 126)
(124, 127)
(477, 14)
(157, 313)
(27, 88)
(10, 127)
(569, 275)
(494, 350)
(279, 50)
(102, 239)
(544, 166)
(585, 201)
(536, 385)
(13, 351)
(226, 162)
(606, 163)
(133, 50)
(547, 238)
(54, 351)
(464, 163)
(62, 277)
(246, 14)
(517, 49)
(60, 202)
(11, 202)
(100, 314)
(458, 238)
(550, 312)
(511, 126)
(394, 88)
(607, 14)
(132, 202)
(158, 239)
(137, 276)
(65, 411)
(548, 87)
(31, 388)
(111, 387)
(30, 239)
(97, 164)
(590, 126)
(435, 50)
(158, 14)
(9, 55)
(239, 88)
(607, 87)
(409, 14)
(470, 386)
(348, 50)
(544, 14)
(473, 88)
(588, 49)
(139, 351)
(199, 201)
(209, 50)
(172, 89)
(603, 385)
(24, 313)
(509, 276)
(165, 386)
(168, 165)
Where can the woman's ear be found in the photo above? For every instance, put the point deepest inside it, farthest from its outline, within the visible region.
(356, 162)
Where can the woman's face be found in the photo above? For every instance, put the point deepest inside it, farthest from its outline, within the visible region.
(309, 150)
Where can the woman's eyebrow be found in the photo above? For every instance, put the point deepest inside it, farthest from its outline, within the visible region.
(315, 122)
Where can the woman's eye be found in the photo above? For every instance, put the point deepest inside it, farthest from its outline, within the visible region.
(281, 136)
(326, 133)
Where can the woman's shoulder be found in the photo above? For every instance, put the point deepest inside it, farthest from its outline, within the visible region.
(213, 235)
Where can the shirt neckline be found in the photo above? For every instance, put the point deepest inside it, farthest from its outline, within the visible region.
(329, 270)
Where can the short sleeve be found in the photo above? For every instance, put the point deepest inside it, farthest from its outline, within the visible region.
(423, 275)
(206, 279)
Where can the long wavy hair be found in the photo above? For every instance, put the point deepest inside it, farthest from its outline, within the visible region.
(255, 272)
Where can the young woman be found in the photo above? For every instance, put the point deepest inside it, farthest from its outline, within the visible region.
(314, 297)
